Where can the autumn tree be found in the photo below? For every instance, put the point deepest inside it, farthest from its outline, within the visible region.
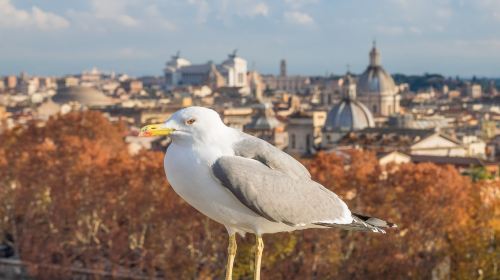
(71, 196)
(439, 213)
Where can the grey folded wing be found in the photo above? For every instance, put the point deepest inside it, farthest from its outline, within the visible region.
(280, 195)
(258, 149)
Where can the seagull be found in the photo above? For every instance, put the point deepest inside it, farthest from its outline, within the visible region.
(247, 184)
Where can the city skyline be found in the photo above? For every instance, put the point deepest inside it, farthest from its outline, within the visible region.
(315, 37)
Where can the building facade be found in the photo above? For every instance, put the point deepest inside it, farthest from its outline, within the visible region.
(230, 73)
(266, 126)
(376, 88)
(348, 115)
(304, 132)
(292, 84)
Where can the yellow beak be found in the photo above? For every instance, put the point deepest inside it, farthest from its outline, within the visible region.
(155, 130)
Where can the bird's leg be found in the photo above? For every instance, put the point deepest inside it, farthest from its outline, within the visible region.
(231, 253)
(259, 244)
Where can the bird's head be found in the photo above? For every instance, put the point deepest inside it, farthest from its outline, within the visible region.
(189, 124)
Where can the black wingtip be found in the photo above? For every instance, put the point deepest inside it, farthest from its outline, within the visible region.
(391, 225)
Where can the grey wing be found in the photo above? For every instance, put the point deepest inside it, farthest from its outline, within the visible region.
(258, 149)
(277, 196)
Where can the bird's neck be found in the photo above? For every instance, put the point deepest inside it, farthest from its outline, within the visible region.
(222, 141)
(222, 134)
(210, 146)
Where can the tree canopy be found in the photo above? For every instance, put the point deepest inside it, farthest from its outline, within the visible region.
(71, 196)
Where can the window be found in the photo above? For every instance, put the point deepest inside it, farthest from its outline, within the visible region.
(308, 141)
(292, 140)
(374, 109)
(240, 78)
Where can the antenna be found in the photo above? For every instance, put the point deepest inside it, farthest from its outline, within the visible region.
(177, 55)
(233, 55)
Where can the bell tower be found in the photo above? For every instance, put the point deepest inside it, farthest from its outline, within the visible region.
(374, 55)
(283, 68)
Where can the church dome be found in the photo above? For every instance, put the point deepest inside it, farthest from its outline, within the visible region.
(349, 114)
(86, 96)
(375, 80)
(264, 118)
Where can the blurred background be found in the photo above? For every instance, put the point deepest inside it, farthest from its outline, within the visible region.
(392, 104)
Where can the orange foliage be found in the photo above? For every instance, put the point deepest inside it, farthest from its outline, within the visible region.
(72, 196)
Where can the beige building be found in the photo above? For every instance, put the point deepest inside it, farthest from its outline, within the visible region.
(28, 85)
(230, 73)
(293, 84)
(266, 126)
(304, 132)
(393, 157)
(68, 81)
(256, 85)
(11, 82)
(47, 82)
(237, 117)
(331, 90)
(132, 86)
(91, 77)
(473, 90)
(438, 145)
(410, 141)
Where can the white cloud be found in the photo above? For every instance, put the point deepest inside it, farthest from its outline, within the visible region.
(113, 10)
(295, 13)
(225, 10)
(155, 16)
(260, 9)
(297, 4)
(202, 9)
(422, 10)
(421, 16)
(46, 21)
(444, 13)
(107, 15)
(490, 7)
(11, 17)
(299, 18)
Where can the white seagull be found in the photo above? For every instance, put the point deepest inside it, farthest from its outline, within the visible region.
(247, 184)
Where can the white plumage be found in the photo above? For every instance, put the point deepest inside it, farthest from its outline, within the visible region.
(245, 183)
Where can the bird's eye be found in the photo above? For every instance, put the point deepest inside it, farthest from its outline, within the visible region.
(190, 121)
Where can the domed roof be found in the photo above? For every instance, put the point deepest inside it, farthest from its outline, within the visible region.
(349, 115)
(47, 109)
(264, 118)
(375, 79)
(86, 96)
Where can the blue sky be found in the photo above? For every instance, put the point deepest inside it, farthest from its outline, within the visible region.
(53, 37)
